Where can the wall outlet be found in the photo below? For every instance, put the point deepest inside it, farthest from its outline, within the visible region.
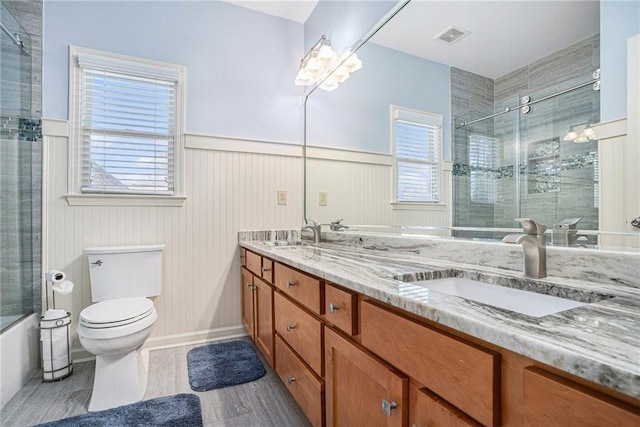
(322, 198)
(282, 197)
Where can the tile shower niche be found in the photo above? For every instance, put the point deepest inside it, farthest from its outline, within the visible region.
(543, 166)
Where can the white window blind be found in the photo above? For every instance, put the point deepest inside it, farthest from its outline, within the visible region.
(483, 164)
(126, 125)
(417, 141)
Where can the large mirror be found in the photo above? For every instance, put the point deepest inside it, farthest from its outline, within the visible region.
(464, 116)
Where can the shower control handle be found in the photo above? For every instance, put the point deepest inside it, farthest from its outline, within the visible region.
(98, 263)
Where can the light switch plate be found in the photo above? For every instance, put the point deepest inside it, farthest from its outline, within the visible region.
(322, 198)
(282, 197)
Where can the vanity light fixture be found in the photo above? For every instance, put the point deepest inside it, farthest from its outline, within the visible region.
(320, 60)
(580, 133)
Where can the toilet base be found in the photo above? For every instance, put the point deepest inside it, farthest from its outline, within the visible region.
(119, 380)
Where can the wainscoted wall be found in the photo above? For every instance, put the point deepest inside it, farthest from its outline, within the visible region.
(358, 186)
(228, 188)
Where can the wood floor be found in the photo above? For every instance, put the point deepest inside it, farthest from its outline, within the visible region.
(264, 402)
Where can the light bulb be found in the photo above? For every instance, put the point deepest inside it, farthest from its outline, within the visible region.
(589, 133)
(354, 63)
(342, 73)
(571, 135)
(313, 65)
(329, 84)
(581, 138)
(304, 78)
(326, 54)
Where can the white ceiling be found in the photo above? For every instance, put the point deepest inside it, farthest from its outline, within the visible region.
(504, 35)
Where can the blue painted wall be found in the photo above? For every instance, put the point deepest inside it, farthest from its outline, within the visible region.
(356, 116)
(344, 22)
(619, 20)
(241, 64)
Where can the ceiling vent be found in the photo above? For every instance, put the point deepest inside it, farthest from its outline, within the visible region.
(452, 34)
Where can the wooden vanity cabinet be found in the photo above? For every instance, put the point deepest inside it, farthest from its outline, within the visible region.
(464, 374)
(553, 401)
(361, 389)
(426, 409)
(257, 306)
(341, 308)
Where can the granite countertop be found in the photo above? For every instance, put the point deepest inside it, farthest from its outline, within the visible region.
(599, 341)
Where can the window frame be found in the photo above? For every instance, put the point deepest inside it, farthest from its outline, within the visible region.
(75, 195)
(423, 118)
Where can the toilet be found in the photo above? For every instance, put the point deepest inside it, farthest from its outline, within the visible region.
(119, 322)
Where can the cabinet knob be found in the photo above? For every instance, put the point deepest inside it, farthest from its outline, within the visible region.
(388, 406)
(333, 308)
(265, 269)
(291, 379)
(290, 327)
(249, 285)
(290, 284)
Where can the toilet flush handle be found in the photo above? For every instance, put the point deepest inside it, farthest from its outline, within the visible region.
(98, 263)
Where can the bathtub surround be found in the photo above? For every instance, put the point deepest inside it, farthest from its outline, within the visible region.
(597, 342)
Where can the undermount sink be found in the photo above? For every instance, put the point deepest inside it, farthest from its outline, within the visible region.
(284, 243)
(522, 295)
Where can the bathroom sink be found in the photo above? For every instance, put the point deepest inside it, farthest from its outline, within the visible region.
(522, 295)
(283, 243)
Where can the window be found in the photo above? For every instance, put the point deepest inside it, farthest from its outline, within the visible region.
(126, 124)
(417, 140)
(483, 162)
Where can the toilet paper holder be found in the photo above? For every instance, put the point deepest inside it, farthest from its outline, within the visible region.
(55, 333)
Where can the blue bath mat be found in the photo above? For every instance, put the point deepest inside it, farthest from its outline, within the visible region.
(181, 410)
(221, 365)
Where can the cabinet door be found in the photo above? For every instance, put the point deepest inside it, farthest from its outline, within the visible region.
(263, 302)
(426, 409)
(341, 307)
(361, 390)
(553, 401)
(247, 302)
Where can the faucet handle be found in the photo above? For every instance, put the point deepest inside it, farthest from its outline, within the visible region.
(530, 226)
(315, 223)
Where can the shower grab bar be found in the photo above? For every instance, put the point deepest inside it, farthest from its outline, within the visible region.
(507, 109)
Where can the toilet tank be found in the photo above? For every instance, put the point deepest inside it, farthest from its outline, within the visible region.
(125, 271)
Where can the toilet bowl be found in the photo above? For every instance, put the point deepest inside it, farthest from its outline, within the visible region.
(114, 331)
(119, 322)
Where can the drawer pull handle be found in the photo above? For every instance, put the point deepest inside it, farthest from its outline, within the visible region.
(290, 284)
(290, 327)
(333, 308)
(291, 379)
(265, 269)
(388, 406)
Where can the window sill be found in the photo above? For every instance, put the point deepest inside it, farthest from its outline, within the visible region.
(124, 200)
(417, 206)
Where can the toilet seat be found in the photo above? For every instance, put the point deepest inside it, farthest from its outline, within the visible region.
(116, 312)
(116, 318)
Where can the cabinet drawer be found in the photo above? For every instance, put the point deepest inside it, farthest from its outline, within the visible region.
(429, 409)
(340, 308)
(465, 375)
(301, 331)
(301, 287)
(550, 400)
(253, 263)
(267, 270)
(303, 385)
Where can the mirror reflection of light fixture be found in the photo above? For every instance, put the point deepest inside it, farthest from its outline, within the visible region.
(580, 133)
(320, 60)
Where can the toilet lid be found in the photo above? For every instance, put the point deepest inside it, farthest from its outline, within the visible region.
(116, 312)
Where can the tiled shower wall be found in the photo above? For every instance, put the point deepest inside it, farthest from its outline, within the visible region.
(21, 169)
(474, 96)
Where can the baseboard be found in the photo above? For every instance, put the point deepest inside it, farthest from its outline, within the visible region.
(177, 340)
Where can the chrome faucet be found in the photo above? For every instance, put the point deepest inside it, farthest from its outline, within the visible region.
(534, 244)
(336, 226)
(316, 228)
